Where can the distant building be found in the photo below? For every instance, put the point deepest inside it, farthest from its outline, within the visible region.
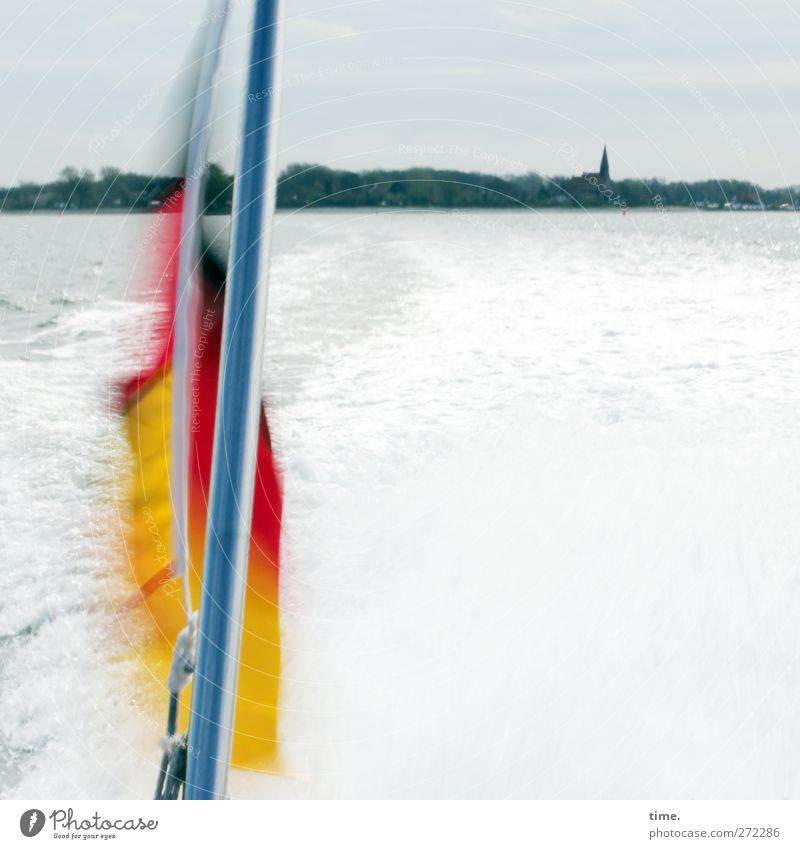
(601, 176)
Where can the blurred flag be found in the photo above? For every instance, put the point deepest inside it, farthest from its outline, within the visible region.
(159, 592)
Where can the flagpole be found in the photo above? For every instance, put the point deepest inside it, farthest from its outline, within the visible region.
(186, 293)
(236, 429)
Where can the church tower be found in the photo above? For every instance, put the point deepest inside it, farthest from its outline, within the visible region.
(603, 176)
(603, 173)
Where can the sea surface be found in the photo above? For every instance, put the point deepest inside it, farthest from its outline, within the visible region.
(542, 527)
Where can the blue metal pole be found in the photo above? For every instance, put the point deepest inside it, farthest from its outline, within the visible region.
(236, 429)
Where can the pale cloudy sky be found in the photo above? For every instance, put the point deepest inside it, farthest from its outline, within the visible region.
(682, 90)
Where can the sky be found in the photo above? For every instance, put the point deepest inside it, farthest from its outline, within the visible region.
(678, 90)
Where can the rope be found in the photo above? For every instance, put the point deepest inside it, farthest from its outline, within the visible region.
(172, 772)
(172, 775)
(180, 673)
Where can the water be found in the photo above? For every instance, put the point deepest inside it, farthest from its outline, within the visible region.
(542, 479)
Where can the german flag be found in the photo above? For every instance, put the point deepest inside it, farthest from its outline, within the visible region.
(159, 594)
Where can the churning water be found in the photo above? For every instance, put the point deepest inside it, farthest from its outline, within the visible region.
(542, 526)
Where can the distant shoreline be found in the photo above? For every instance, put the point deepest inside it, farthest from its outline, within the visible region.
(305, 186)
(390, 210)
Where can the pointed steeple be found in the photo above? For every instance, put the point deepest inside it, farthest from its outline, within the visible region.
(604, 165)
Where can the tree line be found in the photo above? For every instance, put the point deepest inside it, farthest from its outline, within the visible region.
(315, 186)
